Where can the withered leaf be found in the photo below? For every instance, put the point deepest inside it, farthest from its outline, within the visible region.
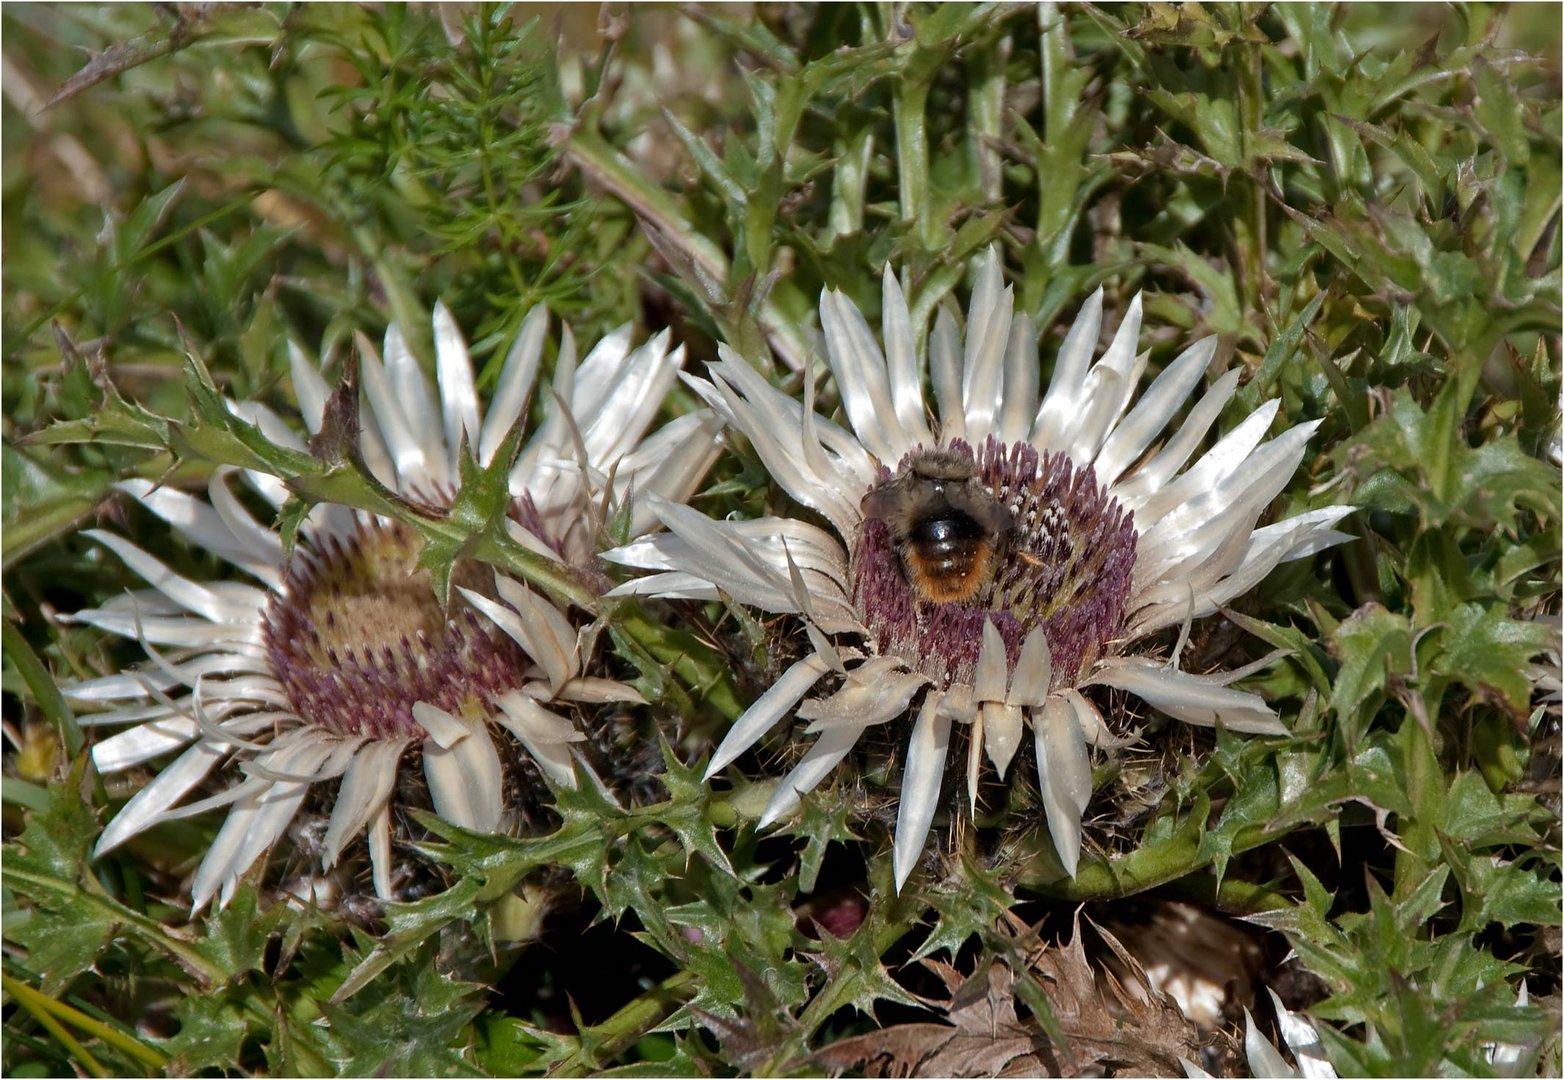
(985, 1036)
(1131, 1029)
(1136, 1028)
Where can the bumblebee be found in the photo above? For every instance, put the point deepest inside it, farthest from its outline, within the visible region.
(947, 529)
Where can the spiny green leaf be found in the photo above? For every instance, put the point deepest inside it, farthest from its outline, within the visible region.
(235, 939)
(212, 1031)
(1478, 818)
(1371, 644)
(409, 926)
(65, 930)
(1284, 347)
(1499, 108)
(1489, 653)
(413, 1024)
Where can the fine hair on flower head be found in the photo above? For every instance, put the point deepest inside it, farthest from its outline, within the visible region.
(341, 664)
(993, 552)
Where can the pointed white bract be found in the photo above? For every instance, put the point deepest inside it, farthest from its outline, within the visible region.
(1121, 528)
(1265, 1059)
(276, 684)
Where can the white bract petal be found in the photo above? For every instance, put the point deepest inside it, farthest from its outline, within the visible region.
(1064, 776)
(920, 786)
(1002, 728)
(901, 359)
(411, 389)
(874, 692)
(465, 780)
(144, 742)
(198, 599)
(147, 806)
(1303, 1039)
(767, 711)
(945, 375)
(365, 791)
(988, 684)
(517, 375)
(830, 748)
(988, 335)
(1264, 1059)
(598, 377)
(1154, 410)
(258, 820)
(1153, 475)
(546, 735)
(204, 526)
(615, 425)
(553, 634)
(1018, 404)
(380, 850)
(1189, 698)
(861, 377)
(445, 729)
(458, 395)
(402, 441)
(309, 387)
(1033, 673)
(1061, 403)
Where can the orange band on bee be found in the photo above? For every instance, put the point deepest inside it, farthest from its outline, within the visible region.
(947, 529)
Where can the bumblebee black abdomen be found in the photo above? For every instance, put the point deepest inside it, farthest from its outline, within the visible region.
(947, 557)
(947, 541)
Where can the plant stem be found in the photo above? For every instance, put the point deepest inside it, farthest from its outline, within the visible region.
(500, 550)
(40, 683)
(714, 682)
(1146, 868)
(909, 108)
(623, 1029)
(148, 929)
(1250, 225)
(986, 70)
(1233, 895)
(75, 1049)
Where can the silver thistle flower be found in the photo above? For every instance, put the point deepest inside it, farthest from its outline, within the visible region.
(342, 664)
(991, 560)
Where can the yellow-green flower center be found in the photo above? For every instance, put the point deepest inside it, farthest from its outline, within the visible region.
(357, 637)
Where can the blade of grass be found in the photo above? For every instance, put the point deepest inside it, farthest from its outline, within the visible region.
(42, 1005)
(36, 1005)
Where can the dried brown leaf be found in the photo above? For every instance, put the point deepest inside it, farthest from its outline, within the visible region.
(1134, 1029)
(984, 1038)
(1130, 1029)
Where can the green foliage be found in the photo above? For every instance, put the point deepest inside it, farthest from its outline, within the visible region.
(1364, 209)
